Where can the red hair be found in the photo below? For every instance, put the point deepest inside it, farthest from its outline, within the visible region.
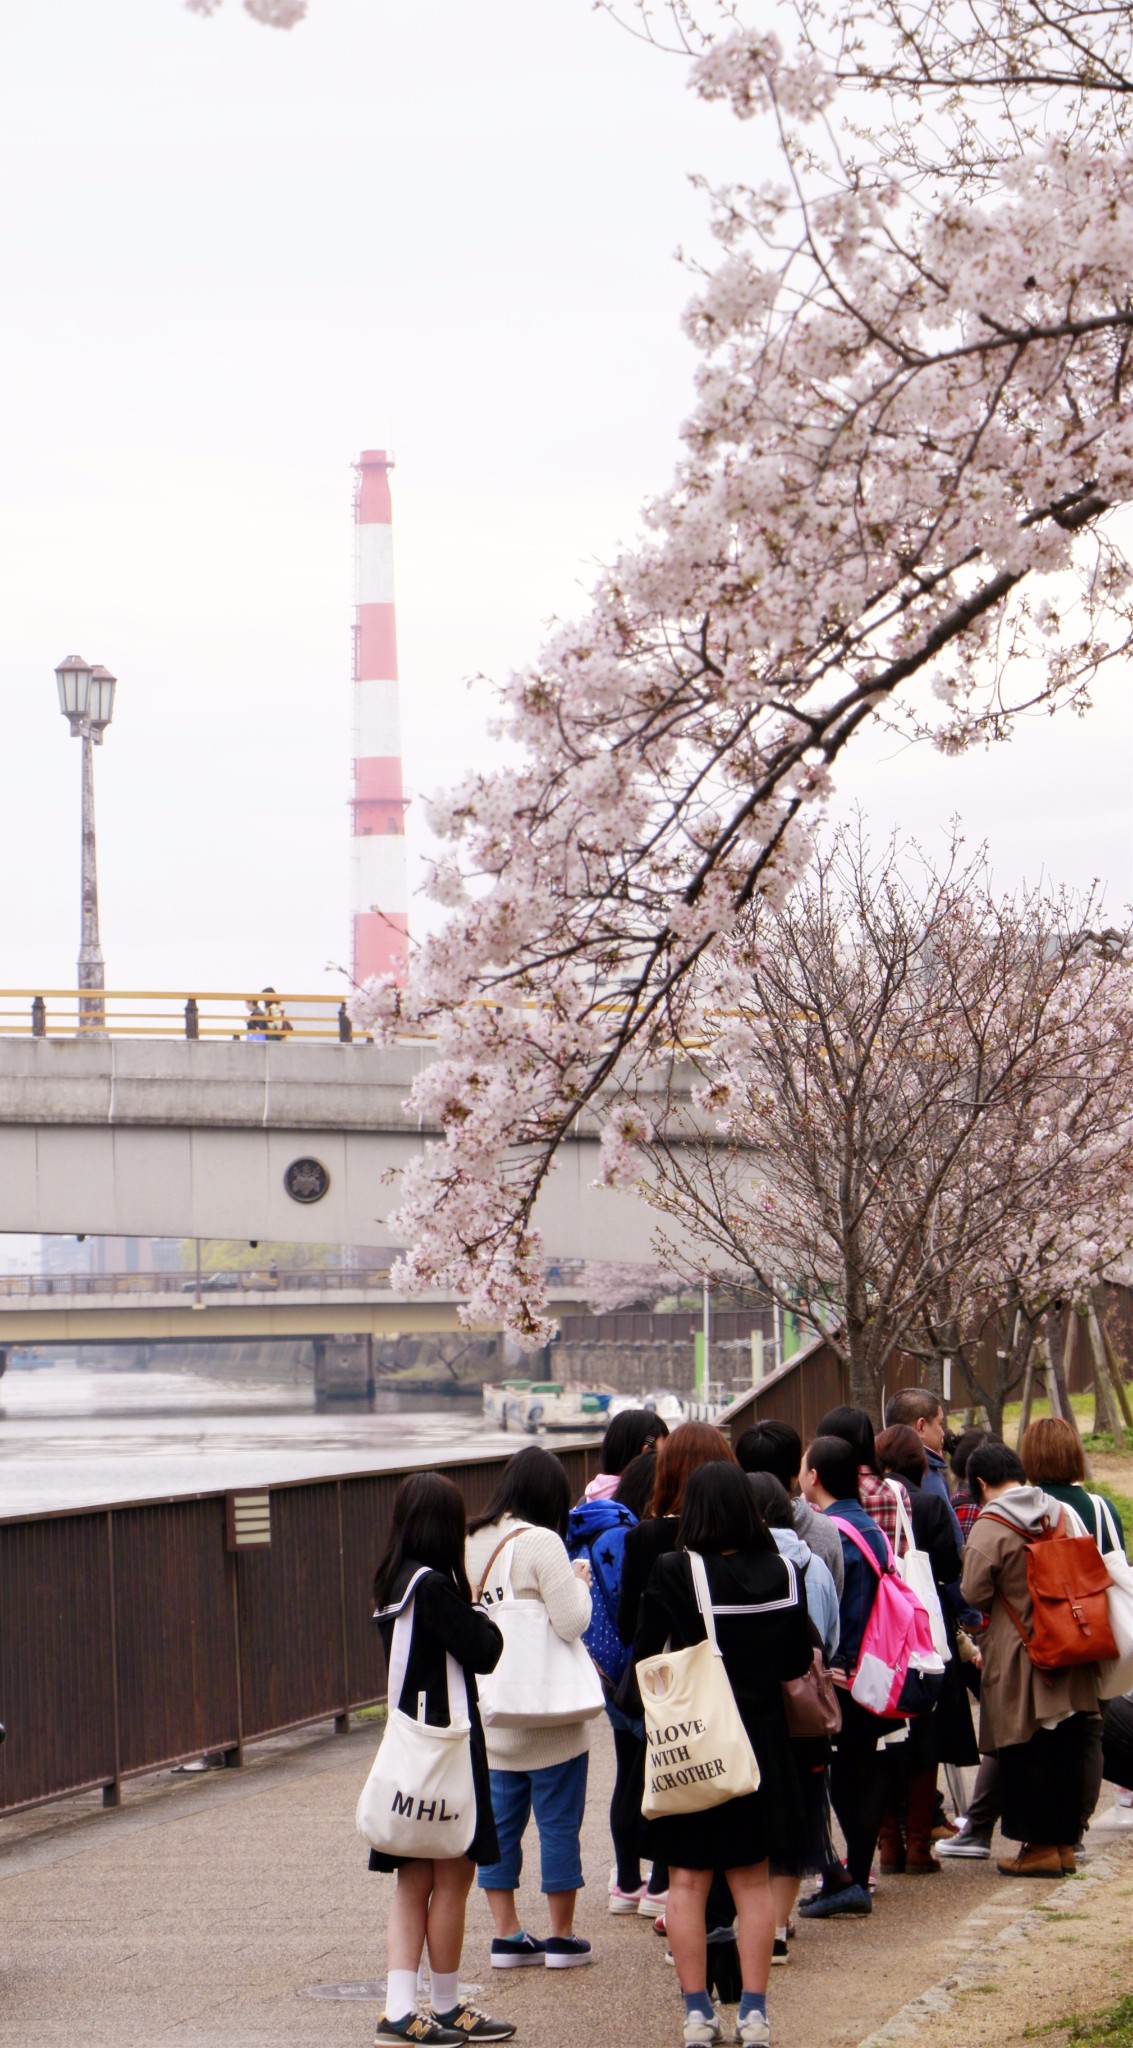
(690, 1445)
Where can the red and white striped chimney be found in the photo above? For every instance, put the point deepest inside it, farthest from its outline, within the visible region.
(380, 893)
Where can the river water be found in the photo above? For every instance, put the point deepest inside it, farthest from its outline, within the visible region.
(79, 1438)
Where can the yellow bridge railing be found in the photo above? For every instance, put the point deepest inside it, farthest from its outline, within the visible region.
(165, 1013)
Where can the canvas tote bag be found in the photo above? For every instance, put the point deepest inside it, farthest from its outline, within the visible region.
(697, 1750)
(1115, 1676)
(419, 1799)
(915, 1567)
(540, 1681)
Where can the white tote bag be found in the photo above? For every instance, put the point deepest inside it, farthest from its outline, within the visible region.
(697, 1751)
(915, 1567)
(419, 1799)
(1116, 1675)
(540, 1681)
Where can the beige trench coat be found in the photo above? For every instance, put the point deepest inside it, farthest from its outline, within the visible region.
(1015, 1698)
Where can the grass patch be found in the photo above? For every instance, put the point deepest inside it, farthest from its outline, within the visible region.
(369, 1714)
(1122, 1505)
(1110, 2028)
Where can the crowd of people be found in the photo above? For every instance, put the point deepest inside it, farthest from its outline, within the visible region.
(774, 1552)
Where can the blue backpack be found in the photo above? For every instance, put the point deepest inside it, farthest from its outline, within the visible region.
(597, 1531)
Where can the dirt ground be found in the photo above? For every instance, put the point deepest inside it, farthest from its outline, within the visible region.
(1068, 1956)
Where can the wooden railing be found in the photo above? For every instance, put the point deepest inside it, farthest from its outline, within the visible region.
(134, 1637)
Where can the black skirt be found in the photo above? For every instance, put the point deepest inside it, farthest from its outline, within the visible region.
(484, 1846)
(1041, 1785)
(769, 1823)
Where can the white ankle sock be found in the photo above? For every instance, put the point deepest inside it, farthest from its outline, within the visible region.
(780, 1934)
(445, 1993)
(401, 1994)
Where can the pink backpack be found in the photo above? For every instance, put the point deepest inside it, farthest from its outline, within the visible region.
(898, 1671)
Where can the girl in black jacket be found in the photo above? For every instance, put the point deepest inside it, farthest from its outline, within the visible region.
(764, 1637)
(429, 1529)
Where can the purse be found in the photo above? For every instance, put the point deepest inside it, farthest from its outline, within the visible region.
(1115, 1676)
(540, 1681)
(419, 1799)
(698, 1753)
(811, 1703)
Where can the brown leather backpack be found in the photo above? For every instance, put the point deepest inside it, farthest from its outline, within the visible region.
(1068, 1584)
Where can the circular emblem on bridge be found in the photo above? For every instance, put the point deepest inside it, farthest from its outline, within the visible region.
(306, 1180)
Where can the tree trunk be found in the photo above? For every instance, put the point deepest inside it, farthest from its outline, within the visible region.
(866, 1379)
(1107, 1417)
(1057, 1383)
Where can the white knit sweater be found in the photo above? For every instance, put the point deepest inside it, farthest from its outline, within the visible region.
(540, 1570)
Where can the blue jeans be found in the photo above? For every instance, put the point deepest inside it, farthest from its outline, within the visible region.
(558, 1795)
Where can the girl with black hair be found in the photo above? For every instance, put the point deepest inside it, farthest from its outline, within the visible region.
(764, 1637)
(875, 1494)
(427, 1529)
(521, 1532)
(628, 1433)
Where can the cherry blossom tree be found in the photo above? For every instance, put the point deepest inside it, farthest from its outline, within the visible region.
(898, 498)
(915, 1125)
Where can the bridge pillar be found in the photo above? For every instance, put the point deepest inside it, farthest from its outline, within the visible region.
(344, 1369)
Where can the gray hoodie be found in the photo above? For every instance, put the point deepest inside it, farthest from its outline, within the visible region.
(821, 1597)
(823, 1539)
(1028, 1507)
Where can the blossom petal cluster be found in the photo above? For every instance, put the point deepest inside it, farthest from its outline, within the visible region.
(895, 498)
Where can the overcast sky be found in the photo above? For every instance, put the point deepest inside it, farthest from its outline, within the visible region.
(231, 259)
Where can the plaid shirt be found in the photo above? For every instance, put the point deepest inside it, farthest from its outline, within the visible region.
(965, 1509)
(877, 1498)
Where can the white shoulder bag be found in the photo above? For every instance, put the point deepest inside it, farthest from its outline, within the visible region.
(1115, 1676)
(698, 1753)
(915, 1567)
(540, 1681)
(419, 1799)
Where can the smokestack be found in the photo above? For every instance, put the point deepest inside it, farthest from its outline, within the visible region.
(380, 940)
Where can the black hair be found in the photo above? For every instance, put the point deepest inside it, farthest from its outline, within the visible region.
(628, 1435)
(834, 1462)
(427, 1527)
(969, 1440)
(854, 1427)
(772, 1500)
(635, 1487)
(534, 1488)
(771, 1447)
(719, 1512)
(996, 1464)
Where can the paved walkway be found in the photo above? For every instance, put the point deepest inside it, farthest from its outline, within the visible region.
(207, 1910)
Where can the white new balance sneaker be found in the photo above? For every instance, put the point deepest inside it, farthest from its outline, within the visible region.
(700, 2031)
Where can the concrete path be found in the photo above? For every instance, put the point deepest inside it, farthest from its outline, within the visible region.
(208, 1910)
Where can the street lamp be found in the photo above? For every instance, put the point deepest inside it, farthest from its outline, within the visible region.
(86, 699)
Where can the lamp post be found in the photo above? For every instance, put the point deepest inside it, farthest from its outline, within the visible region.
(86, 699)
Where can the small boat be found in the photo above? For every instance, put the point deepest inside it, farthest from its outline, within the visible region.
(505, 1402)
(546, 1404)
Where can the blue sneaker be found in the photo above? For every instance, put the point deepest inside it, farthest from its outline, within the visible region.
(567, 1951)
(418, 2030)
(514, 1951)
(470, 2024)
(853, 1898)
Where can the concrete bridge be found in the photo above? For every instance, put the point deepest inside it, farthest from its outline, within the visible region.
(296, 1142)
(163, 1308)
